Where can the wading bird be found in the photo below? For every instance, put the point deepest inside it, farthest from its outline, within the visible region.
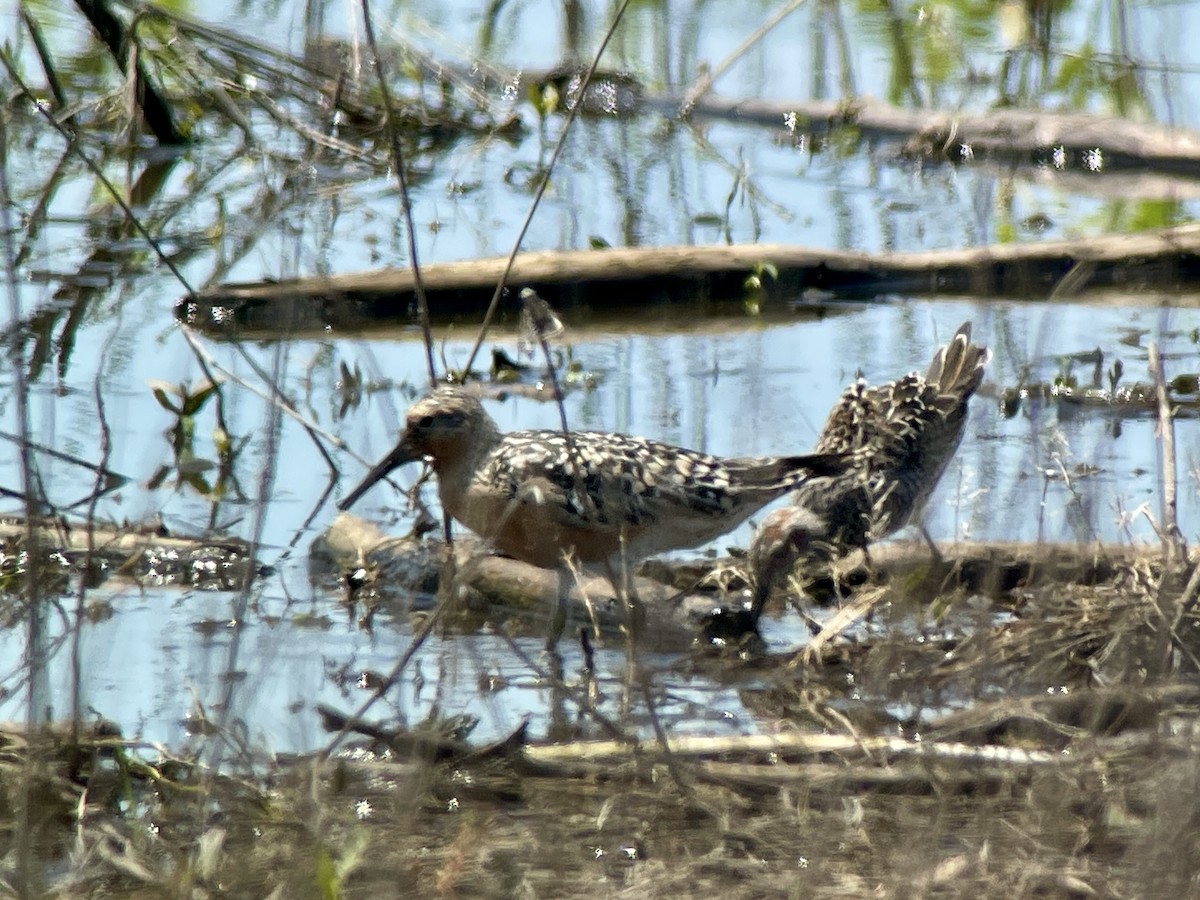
(897, 439)
(603, 499)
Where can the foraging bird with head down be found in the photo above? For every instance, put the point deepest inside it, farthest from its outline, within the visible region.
(898, 439)
(604, 499)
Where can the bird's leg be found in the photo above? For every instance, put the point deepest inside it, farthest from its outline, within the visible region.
(619, 569)
(933, 548)
(633, 604)
(558, 620)
(760, 592)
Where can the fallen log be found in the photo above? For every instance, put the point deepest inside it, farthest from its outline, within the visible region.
(144, 553)
(678, 595)
(611, 282)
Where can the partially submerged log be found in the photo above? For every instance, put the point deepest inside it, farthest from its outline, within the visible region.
(677, 596)
(613, 281)
(515, 590)
(1082, 141)
(1066, 141)
(145, 554)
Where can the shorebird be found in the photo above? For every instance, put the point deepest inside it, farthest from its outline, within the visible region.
(897, 439)
(606, 500)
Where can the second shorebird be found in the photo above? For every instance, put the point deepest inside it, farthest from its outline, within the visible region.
(604, 499)
(898, 438)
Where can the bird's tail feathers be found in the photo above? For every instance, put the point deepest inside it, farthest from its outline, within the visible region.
(957, 368)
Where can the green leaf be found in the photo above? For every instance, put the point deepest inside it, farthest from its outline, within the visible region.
(543, 98)
(769, 269)
(160, 388)
(1072, 70)
(195, 402)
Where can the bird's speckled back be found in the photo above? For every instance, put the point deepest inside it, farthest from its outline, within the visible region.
(536, 494)
(662, 496)
(901, 436)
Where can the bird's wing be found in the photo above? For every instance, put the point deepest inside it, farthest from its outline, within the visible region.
(579, 480)
(851, 421)
(605, 480)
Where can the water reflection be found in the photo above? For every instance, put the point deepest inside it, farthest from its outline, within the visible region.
(1051, 472)
(101, 316)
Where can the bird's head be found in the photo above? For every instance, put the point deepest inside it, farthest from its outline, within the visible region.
(442, 427)
(785, 536)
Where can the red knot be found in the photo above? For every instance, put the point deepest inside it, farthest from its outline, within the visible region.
(897, 438)
(603, 499)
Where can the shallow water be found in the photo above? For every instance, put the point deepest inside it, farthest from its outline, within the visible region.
(757, 390)
(733, 386)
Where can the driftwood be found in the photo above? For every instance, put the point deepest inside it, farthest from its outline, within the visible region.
(1018, 134)
(143, 554)
(613, 281)
(677, 596)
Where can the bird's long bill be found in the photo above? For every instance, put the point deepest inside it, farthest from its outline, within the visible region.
(400, 455)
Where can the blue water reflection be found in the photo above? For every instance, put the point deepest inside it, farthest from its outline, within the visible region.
(732, 386)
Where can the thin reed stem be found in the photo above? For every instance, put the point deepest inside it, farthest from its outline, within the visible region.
(572, 114)
(389, 124)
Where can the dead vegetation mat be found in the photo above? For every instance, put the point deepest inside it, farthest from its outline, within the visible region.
(1031, 746)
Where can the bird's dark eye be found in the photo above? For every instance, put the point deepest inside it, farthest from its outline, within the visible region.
(426, 422)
